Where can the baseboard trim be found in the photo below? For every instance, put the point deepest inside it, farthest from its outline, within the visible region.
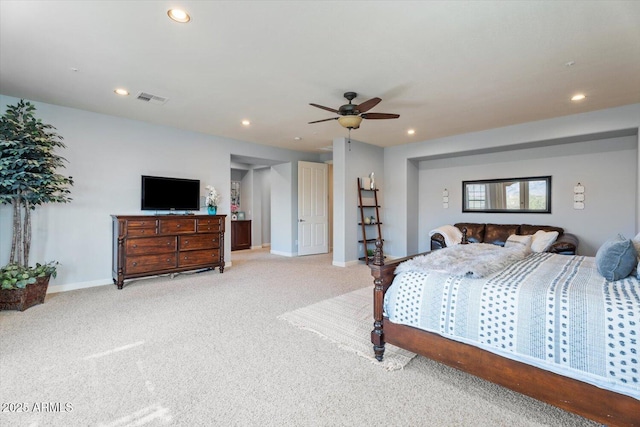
(54, 289)
(345, 264)
(289, 254)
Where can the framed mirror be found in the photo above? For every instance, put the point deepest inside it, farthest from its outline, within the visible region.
(235, 196)
(509, 195)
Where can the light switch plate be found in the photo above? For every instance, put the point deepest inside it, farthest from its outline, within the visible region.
(445, 205)
(578, 205)
(578, 189)
(578, 197)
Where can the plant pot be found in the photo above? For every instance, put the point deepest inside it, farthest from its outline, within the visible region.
(212, 210)
(21, 299)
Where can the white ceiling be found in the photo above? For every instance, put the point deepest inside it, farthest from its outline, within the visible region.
(445, 67)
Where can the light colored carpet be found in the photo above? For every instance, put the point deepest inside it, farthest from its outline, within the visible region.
(347, 320)
(208, 350)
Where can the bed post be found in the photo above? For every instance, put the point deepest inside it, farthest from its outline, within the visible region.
(377, 336)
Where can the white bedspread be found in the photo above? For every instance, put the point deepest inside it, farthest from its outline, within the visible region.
(555, 312)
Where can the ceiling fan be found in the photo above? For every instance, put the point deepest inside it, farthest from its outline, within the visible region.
(350, 115)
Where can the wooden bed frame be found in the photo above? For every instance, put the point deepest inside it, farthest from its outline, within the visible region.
(587, 400)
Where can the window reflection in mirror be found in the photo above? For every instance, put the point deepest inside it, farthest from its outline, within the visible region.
(235, 196)
(510, 195)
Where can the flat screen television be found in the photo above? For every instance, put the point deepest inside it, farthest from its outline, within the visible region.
(170, 194)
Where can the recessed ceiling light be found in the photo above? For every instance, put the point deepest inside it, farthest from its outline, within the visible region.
(246, 122)
(578, 97)
(178, 15)
(411, 131)
(297, 138)
(570, 63)
(122, 92)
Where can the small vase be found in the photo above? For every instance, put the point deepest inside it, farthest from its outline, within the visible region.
(212, 210)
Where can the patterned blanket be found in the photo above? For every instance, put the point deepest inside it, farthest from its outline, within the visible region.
(555, 312)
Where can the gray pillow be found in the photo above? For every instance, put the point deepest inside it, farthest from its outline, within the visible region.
(616, 258)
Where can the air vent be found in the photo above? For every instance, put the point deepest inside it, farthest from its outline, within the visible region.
(152, 99)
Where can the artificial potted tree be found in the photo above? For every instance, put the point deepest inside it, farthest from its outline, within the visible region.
(28, 179)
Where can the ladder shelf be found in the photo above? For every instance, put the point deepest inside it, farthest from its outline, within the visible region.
(365, 210)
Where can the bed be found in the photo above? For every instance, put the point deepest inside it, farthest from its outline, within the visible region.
(592, 373)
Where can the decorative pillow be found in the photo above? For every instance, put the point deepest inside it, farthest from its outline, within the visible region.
(636, 244)
(616, 258)
(518, 241)
(542, 240)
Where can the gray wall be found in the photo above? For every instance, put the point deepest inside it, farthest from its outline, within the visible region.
(399, 160)
(607, 168)
(262, 225)
(284, 182)
(350, 161)
(107, 155)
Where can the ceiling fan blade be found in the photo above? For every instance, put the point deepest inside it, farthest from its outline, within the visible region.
(380, 116)
(325, 120)
(368, 105)
(333, 110)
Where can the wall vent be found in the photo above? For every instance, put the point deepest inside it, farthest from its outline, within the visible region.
(152, 99)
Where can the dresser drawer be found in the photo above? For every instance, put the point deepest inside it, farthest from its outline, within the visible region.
(150, 245)
(202, 257)
(150, 263)
(213, 224)
(178, 225)
(133, 232)
(199, 241)
(141, 223)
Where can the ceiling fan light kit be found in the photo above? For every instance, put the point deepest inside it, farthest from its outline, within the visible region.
(350, 122)
(351, 115)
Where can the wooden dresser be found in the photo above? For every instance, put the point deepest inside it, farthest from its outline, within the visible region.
(147, 245)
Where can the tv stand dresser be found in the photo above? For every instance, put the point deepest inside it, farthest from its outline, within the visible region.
(148, 245)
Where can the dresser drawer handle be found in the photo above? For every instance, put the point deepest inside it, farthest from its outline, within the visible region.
(135, 246)
(135, 263)
(186, 257)
(186, 242)
(178, 226)
(168, 243)
(169, 260)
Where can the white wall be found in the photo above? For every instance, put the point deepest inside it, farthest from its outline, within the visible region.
(107, 155)
(399, 160)
(607, 168)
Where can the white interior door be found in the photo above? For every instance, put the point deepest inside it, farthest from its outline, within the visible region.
(313, 208)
